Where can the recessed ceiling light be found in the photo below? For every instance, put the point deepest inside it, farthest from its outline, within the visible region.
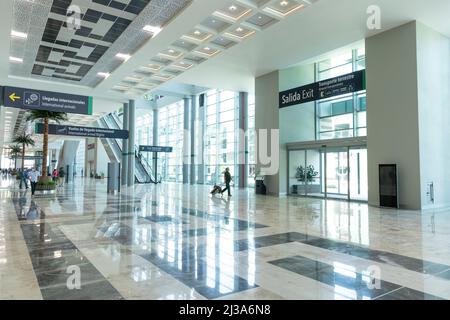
(239, 29)
(232, 8)
(207, 48)
(259, 17)
(17, 34)
(14, 59)
(196, 32)
(123, 56)
(171, 51)
(152, 29)
(284, 3)
(104, 74)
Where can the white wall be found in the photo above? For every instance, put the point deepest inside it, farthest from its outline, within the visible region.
(297, 123)
(392, 111)
(433, 67)
(267, 117)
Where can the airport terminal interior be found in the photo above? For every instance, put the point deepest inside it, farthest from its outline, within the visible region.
(224, 149)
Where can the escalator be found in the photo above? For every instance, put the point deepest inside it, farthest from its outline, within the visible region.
(143, 172)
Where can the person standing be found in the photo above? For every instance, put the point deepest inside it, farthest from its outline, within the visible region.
(55, 176)
(62, 175)
(34, 177)
(227, 178)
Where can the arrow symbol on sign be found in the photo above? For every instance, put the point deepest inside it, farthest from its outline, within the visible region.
(13, 97)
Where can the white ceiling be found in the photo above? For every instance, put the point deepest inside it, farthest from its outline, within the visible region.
(321, 27)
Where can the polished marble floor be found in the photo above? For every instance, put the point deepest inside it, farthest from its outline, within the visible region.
(178, 242)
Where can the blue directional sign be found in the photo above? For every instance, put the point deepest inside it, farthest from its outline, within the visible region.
(31, 99)
(74, 131)
(155, 149)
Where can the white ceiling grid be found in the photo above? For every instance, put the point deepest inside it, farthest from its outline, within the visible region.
(228, 26)
(100, 19)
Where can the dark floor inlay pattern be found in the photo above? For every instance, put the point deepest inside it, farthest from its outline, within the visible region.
(347, 283)
(207, 275)
(51, 254)
(379, 256)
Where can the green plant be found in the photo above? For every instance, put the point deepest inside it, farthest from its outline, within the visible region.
(46, 116)
(46, 183)
(25, 140)
(307, 174)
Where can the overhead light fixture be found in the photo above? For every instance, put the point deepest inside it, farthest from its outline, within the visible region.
(207, 48)
(196, 32)
(153, 29)
(239, 29)
(17, 34)
(104, 74)
(232, 8)
(123, 56)
(284, 3)
(14, 59)
(171, 51)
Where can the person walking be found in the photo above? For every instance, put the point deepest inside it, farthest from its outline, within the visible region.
(227, 178)
(34, 177)
(23, 175)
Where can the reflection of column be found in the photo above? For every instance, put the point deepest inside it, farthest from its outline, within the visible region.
(201, 140)
(243, 140)
(132, 128)
(125, 146)
(155, 140)
(193, 137)
(186, 141)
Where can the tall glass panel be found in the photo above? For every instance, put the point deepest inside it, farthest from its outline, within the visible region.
(297, 178)
(221, 135)
(251, 141)
(314, 173)
(343, 116)
(171, 135)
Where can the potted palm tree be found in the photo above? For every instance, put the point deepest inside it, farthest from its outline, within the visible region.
(14, 152)
(46, 117)
(25, 140)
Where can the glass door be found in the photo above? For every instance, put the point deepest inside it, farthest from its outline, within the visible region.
(315, 186)
(297, 181)
(337, 173)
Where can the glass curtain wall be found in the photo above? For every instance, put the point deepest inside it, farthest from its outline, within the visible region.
(343, 116)
(144, 129)
(221, 135)
(251, 141)
(171, 132)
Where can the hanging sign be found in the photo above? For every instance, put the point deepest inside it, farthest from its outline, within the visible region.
(61, 130)
(155, 149)
(349, 83)
(31, 99)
